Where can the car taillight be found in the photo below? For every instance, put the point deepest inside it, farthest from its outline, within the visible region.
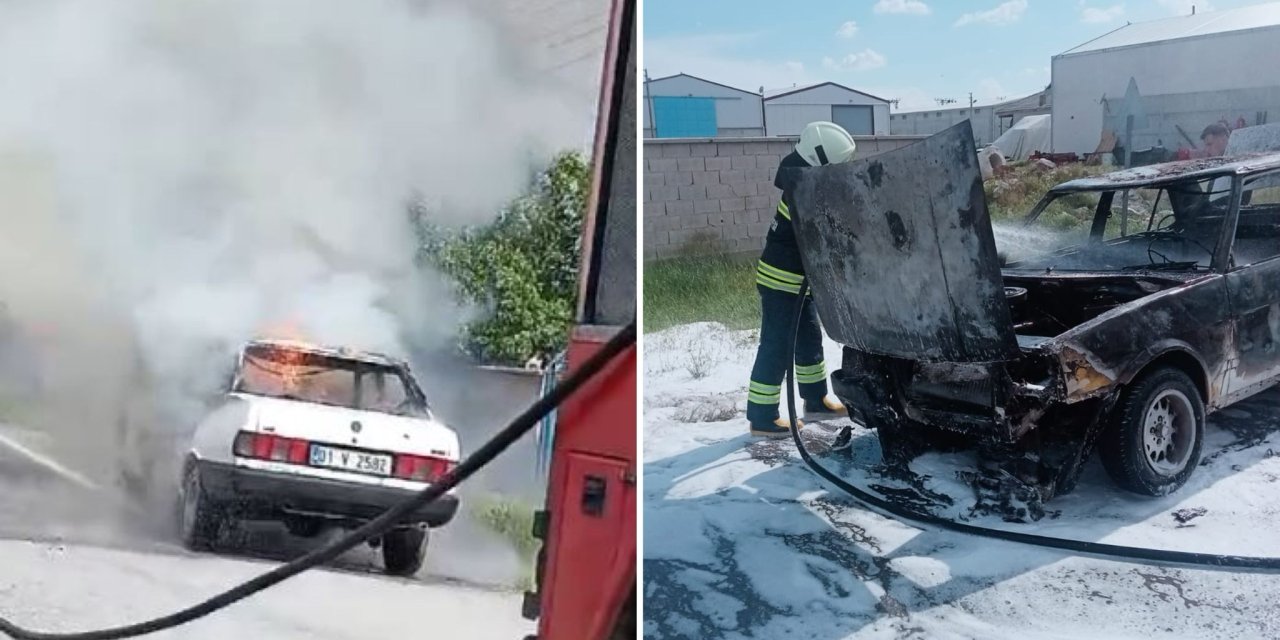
(421, 468)
(266, 446)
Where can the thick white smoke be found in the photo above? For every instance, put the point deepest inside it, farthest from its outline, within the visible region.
(178, 176)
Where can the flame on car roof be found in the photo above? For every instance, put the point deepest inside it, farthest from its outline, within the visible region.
(325, 350)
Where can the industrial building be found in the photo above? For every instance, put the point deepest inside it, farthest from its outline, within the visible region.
(988, 121)
(685, 106)
(1189, 72)
(787, 111)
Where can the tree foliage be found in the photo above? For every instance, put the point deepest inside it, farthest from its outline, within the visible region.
(521, 269)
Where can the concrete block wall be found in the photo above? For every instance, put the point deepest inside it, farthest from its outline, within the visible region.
(717, 195)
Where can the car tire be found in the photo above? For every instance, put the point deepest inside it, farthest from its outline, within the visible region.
(199, 518)
(1152, 441)
(403, 550)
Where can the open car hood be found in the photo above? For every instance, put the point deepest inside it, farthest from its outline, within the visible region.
(899, 252)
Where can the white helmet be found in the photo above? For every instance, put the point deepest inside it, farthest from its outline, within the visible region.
(825, 143)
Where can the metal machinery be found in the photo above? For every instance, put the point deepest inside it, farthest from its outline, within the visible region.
(586, 570)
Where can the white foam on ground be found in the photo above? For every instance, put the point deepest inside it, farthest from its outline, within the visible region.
(743, 541)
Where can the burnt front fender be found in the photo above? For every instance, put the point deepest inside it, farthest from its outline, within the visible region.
(1188, 324)
(1184, 356)
(899, 252)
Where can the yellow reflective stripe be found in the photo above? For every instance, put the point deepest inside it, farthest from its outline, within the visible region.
(767, 389)
(784, 210)
(821, 367)
(779, 274)
(757, 398)
(809, 378)
(766, 281)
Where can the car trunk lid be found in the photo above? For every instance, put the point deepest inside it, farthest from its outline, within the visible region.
(342, 427)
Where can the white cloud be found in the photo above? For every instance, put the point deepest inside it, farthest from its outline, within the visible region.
(990, 90)
(862, 61)
(1038, 75)
(915, 7)
(1101, 15)
(1004, 14)
(909, 98)
(1183, 7)
(847, 30)
(714, 56)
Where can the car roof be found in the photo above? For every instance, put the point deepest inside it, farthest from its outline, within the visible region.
(1157, 175)
(328, 351)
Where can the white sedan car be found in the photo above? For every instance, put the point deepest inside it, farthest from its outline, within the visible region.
(311, 437)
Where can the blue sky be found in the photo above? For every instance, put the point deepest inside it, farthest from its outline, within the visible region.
(910, 50)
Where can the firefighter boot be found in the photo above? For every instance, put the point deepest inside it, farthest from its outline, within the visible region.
(779, 428)
(828, 407)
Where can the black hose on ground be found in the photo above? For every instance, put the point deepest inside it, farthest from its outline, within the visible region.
(1081, 547)
(476, 461)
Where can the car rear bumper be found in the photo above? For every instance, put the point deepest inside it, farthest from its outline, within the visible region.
(266, 494)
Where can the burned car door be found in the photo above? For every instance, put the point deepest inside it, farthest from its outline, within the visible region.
(1253, 285)
(900, 254)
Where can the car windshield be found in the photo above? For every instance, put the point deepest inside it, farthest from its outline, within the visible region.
(1173, 227)
(310, 377)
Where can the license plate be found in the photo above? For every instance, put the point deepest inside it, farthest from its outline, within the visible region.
(348, 460)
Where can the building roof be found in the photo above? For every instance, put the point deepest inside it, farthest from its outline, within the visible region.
(1169, 172)
(691, 77)
(1189, 26)
(1038, 100)
(1026, 102)
(770, 94)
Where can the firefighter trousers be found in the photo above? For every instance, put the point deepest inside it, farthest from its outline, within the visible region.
(767, 375)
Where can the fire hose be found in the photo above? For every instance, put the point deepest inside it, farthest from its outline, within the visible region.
(476, 461)
(1079, 547)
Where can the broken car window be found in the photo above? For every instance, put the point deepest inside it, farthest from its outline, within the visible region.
(1172, 227)
(1258, 229)
(308, 377)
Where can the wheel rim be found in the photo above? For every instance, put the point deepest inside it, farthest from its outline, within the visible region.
(1168, 432)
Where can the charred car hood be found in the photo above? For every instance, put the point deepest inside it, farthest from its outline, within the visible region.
(900, 254)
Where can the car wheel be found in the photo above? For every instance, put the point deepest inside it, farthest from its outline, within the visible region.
(403, 550)
(1152, 442)
(200, 518)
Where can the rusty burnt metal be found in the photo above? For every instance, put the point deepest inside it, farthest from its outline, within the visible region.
(873, 231)
(1027, 360)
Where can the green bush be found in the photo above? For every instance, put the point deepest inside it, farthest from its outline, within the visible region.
(512, 520)
(521, 269)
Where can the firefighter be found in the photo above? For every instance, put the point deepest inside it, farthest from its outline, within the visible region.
(778, 277)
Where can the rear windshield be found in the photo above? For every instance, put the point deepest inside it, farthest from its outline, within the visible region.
(298, 375)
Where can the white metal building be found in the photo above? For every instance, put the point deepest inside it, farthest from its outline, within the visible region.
(734, 113)
(929, 122)
(1191, 71)
(989, 121)
(787, 111)
(1010, 112)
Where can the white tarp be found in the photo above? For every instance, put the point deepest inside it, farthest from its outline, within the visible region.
(1029, 135)
(1255, 139)
(988, 159)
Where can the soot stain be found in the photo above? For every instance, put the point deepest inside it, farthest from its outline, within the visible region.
(897, 229)
(875, 172)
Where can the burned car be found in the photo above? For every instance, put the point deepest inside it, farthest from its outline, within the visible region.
(1124, 308)
(314, 436)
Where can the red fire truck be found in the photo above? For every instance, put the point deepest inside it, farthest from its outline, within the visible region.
(586, 573)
